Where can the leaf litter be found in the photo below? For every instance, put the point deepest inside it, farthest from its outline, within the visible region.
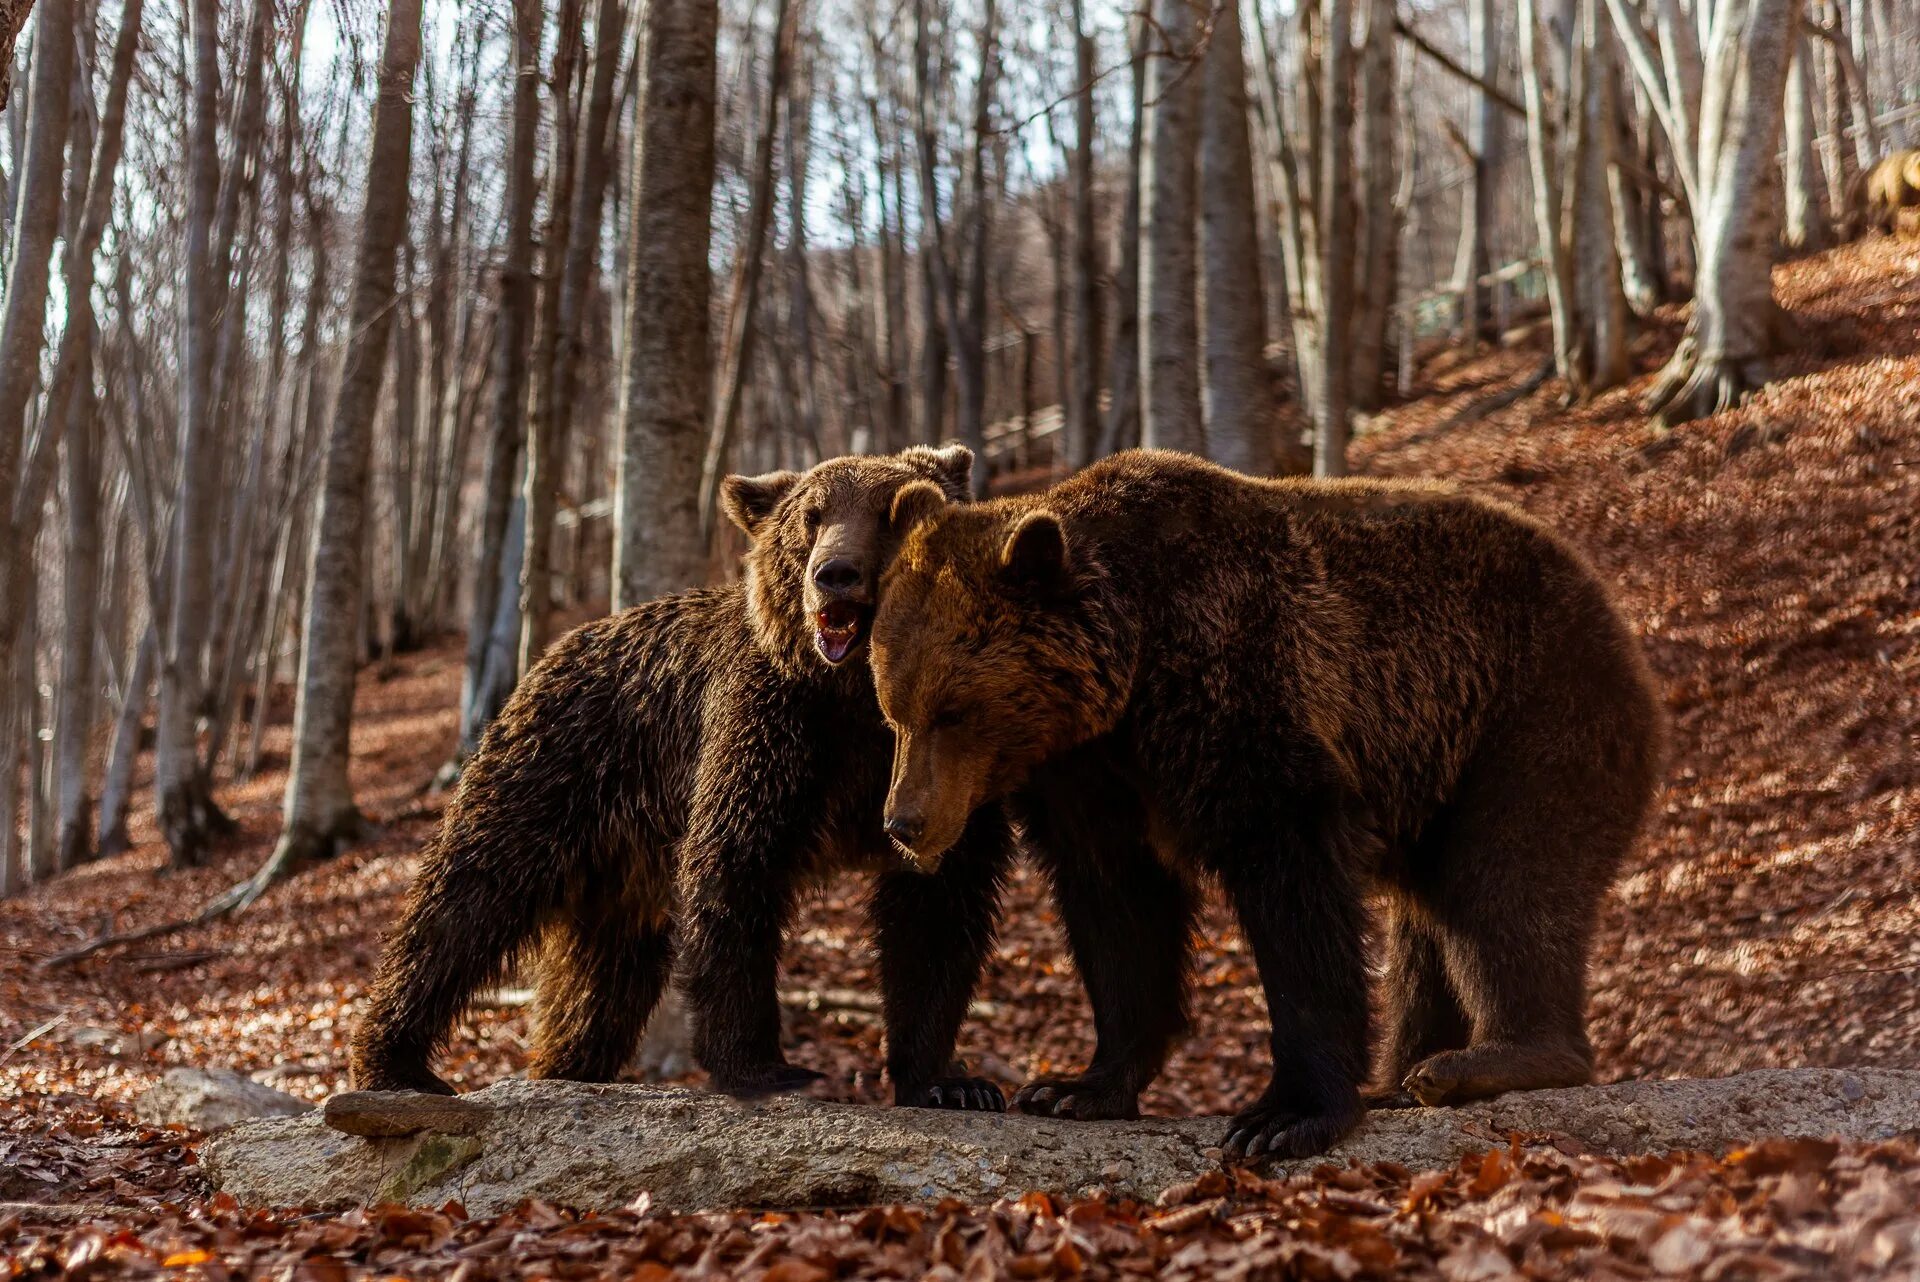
(1765, 555)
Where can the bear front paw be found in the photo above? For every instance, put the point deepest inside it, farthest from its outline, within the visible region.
(387, 1079)
(770, 1079)
(1274, 1130)
(1388, 1098)
(1082, 1099)
(968, 1094)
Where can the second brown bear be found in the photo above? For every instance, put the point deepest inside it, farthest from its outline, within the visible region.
(1305, 691)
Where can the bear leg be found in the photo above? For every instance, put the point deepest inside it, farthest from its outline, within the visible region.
(459, 931)
(1301, 911)
(1539, 826)
(599, 981)
(1422, 1015)
(932, 932)
(1129, 923)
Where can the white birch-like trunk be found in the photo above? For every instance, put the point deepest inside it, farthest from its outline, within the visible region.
(1737, 325)
(1807, 224)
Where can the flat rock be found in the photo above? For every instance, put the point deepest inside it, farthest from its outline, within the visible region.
(598, 1147)
(212, 1099)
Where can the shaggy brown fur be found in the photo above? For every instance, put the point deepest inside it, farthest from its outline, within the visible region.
(677, 769)
(1306, 691)
(1877, 197)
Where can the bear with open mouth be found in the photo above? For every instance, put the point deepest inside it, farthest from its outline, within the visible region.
(663, 781)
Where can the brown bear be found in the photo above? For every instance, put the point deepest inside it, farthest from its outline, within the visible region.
(1304, 691)
(677, 769)
(1878, 195)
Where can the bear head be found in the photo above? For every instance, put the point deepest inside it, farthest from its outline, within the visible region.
(820, 540)
(995, 646)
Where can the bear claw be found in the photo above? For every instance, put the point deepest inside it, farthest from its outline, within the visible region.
(1079, 1099)
(1429, 1087)
(964, 1094)
(1273, 1131)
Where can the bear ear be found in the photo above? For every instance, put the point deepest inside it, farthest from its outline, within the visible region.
(1036, 553)
(749, 500)
(951, 467)
(916, 502)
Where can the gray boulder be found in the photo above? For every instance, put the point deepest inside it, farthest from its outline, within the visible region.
(598, 1147)
(212, 1099)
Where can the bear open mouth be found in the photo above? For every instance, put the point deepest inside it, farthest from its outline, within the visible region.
(839, 628)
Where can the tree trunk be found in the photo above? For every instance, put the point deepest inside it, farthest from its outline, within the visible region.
(1169, 308)
(665, 378)
(320, 813)
(1601, 298)
(1122, 427)
(1636, 211)
(187, 813)
(37, 181)
(1807, 221)
(541, 481)
(748, 268)
(1377, 262)
(1545, 154)
(513, 323)
(1486, 138)
(1083, 407)
(1239, 404)
(80, 589)
(1736, 325)
(116, 786)
(1336, 240)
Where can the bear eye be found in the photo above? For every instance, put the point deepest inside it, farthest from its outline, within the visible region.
(812, 518)
(947, 720)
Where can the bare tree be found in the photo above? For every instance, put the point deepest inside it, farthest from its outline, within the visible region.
(22, 334)
(320, 811)
(1486, 143)
(665, 377)
(748, 268)
(1122, 427)
(1724, 126)
(188, 815)
(1169, 306)
(544, 441)
(488, 678)
(1808, 223)
(1377, 234)
(1336, 240)
(71, 395)
(962, 311)
(1239, 404)
(1083, 403)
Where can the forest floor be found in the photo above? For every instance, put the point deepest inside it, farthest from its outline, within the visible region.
(1767, 556)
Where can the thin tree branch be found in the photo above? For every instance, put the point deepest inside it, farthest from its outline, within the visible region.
(1453, 67)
